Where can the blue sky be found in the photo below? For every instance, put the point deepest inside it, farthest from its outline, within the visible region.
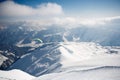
(81, 8)
(61, 12)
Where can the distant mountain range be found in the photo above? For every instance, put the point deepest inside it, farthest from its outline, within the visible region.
(16, 43)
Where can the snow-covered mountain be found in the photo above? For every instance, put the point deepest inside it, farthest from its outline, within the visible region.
(70, 60)
(98, 67)
(13, 32)
(52, 57)
(65, 52)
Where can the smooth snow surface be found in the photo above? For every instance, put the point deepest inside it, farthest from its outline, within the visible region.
(99, 68)
(15, 75)
(100, 73)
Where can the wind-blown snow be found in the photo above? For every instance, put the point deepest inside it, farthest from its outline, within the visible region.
(15, 75)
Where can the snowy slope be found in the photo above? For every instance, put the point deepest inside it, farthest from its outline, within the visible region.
(86, 61)
(42, 60)
(69, 61)
(100, 73)
(74, 51)
(55, 57)
(15, 75)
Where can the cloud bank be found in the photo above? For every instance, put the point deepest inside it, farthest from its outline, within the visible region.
(12, 9)
(47, 14)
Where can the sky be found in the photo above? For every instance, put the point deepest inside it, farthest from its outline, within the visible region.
(60, 10)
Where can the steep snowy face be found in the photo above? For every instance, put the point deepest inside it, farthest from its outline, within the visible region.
(51, 57)
(15, 75)
(43, 59)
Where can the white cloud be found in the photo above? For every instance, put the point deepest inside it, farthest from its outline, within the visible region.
(48, 14)
(112, 18)
(72, 22)
(49, 9)
(12, 9)
(77, 22)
